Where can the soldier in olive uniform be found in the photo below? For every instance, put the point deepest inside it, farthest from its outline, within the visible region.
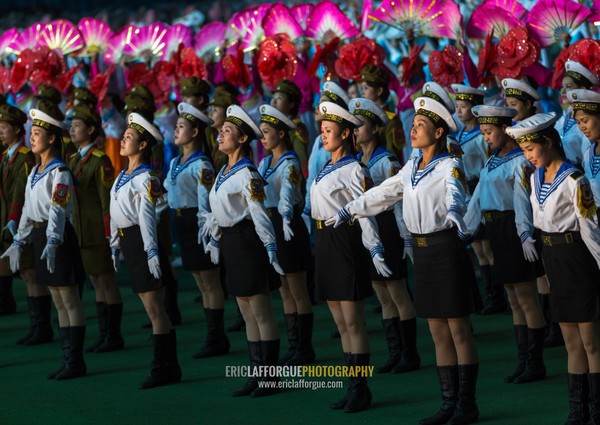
(195, 91)
(94, 173)
(375, 87)
(15, 165)
(217, 108)
(84, 96)
(286, 98)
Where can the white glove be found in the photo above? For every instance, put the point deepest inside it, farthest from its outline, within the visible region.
(307, 221)
(380, 266)
(288, 234)
(11, 226)
(343, 216)
(457, 219)
(274, 262)
(213, 248)
(13, 253)
(116, 254)
(529, 250)
(49, 254)
(408, 250)
(205, 230)
(154, 264)
(200, 237)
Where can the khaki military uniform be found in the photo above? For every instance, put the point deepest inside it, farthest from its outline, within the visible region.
(218, 158)
(94, 175)
(299, 140)
(394, 137)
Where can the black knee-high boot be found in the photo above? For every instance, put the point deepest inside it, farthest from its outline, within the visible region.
(466, 411)
(43, 328)
(32, 310)
(270, 355)
(291, 325)
(410, 356)
(448, 378)
(522, 347)
(165, 370)
(75, 366)
(594, 396)
(102, 314)
(216, 343)
(535, 369)
(64, 334)
(391, 331)
(495, 299)
(360, 395)
(114, 340)
(578, 399)
(342, 403)
(255, 355)
(305, 353)
(7, 300)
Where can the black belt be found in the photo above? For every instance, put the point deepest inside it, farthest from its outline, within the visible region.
(553, 239)
(320, 224)
(273, 211)
(495, 215)
(40, 224)
(180, 211)
(434, 238)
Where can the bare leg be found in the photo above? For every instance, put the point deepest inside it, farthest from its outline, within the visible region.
(154, 304)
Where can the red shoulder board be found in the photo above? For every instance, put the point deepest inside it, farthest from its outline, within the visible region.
(61, 195)
(24, 150)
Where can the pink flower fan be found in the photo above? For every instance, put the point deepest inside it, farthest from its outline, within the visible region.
(279, 20)
(489, 17)
(244, 22)
(96, 35)
(178, 34)
(552, 21)
(6, 39)
(28, 39)
(513, 7)
(114, 49)
(327, 22)
(209, 41)
(62, 36)
(300, 13)
(147, 43)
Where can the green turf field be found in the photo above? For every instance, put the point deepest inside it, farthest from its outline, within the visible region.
(110, 395)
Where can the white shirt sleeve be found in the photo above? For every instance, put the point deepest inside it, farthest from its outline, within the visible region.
(585, 210)
(62, 188)
(522, 201)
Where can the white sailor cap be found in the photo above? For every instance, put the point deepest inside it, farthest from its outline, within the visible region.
(435, 111)
(530, 129)
(193, 114)
(334, 112)
(42, 119)
(240, 118)
(518, 88)
(437, 92)
(336, 93)
(576, 70)
(584, 100)
(370, 109)
(468, 93)
(273, 116)
(144, 127)
(487, 114)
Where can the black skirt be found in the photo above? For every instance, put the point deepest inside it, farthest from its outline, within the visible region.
(193, 257)
(293, 255)
(393, 245)
(510, 265)
(68, 267)
(342, 271)
(574, 281)
(246, 261)
(136, 259)
(481, 231)
(445, 284)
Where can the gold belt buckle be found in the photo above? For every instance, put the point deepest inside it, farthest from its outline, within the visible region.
(547, 240)
(120, 231)
(488, 216)
(178, 212)
(569, 237)
(319, 224)
(421, 242)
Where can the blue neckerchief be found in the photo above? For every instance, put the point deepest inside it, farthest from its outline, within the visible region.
(568, 123)
(328, 168)
(177, 168)
(379, 153)
(242, 163)
(432, 164)
(55, 163)
(266, 172)
(123, 178)
(495, 161)
(471, 134)
(565, 170)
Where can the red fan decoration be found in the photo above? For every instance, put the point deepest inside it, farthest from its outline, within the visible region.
(277, 60)
(48, 67)
(587, 53)
(354, 56)
(446, 66)
(159, 79)
(559, 65)
(65, 80)
(99, 84)
(412, 64)
(516, 51)
(326, 55)
(4, 79)
(236, 71)
(191, 64)
(487, 59)
(21, 70)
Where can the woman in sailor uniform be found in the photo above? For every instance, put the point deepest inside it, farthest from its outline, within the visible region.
(15, 166)
(342, 271)
(133, 219)
(432, 188)
(588, 121)
(94, 173)
(283, 177)
(565, 212)
(501, 201)
(398, 311)
(241, 228)
(474, 153)
(44, 223)
(573, 140)
(188, 183)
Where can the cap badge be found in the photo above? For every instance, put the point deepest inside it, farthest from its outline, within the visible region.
(422, 103)
(574, 95)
